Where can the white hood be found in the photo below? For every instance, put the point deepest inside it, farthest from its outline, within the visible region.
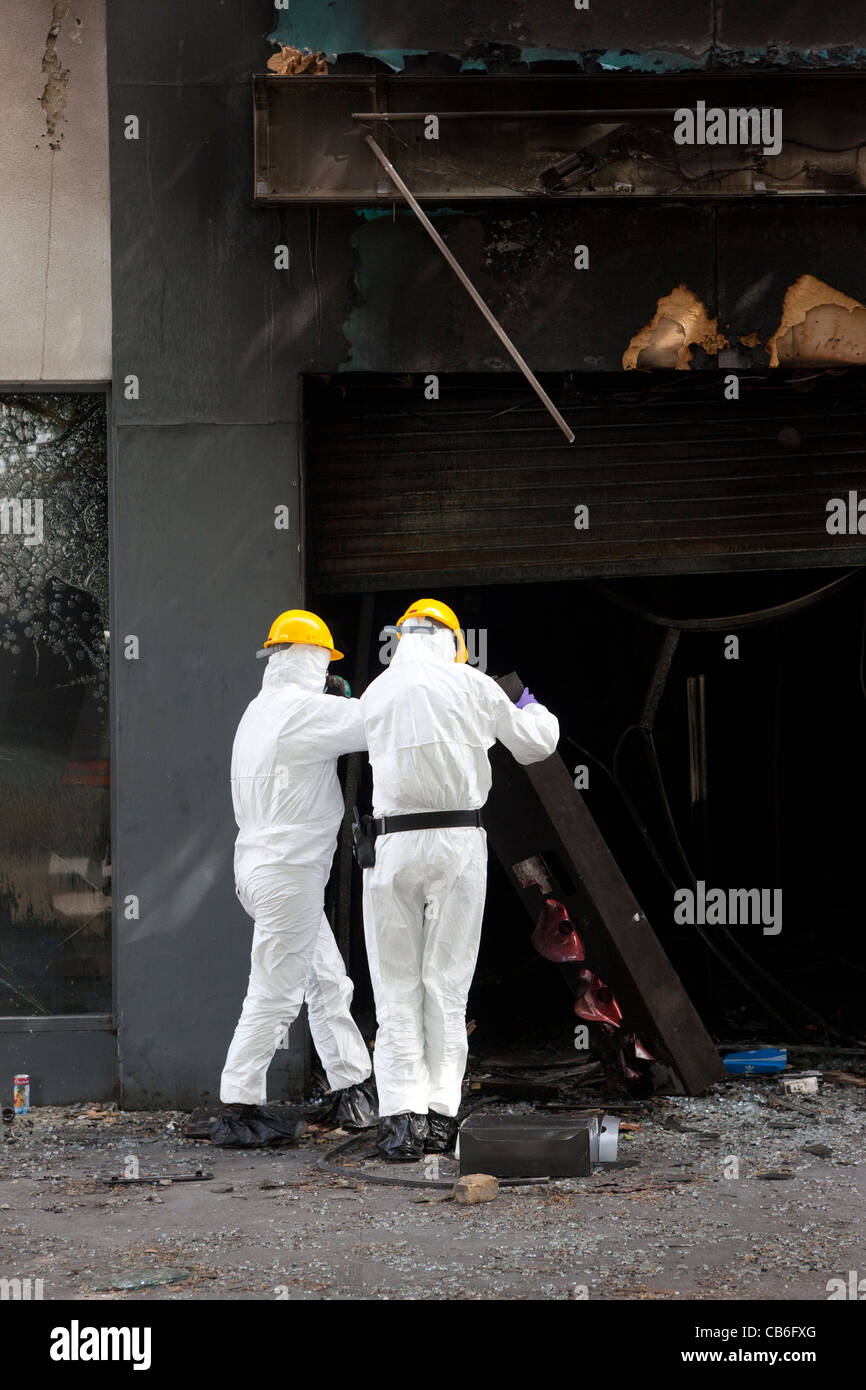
(302, 665)
(426, 648)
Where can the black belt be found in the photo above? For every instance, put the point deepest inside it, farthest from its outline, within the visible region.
(426, 820)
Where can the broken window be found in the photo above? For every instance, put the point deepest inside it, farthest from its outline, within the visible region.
(55, 856)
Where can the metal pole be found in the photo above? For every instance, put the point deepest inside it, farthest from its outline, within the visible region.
(598, 113)
(470, 288)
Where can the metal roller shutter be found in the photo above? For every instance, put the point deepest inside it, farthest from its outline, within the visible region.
(479, 487)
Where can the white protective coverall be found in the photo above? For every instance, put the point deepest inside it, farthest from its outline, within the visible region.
(288, 805)
(429, 723)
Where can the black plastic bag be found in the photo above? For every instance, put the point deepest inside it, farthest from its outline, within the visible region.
(441, 1133)
(357, 1106)
(256, 1127)
(401, 1137)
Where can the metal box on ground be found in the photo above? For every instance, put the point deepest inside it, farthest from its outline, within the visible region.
(530, 1146)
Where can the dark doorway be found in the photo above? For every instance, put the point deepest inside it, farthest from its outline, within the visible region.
(749, 778)
(785, 754)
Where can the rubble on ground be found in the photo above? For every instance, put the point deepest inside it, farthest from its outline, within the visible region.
(742, 1193)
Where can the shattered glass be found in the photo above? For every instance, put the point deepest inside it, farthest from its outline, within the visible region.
(55, 846)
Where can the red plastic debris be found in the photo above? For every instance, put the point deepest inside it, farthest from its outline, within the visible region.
(640, 1052)
(555, 936)
(596, 1002)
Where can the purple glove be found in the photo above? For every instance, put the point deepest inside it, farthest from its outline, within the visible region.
(527, 698)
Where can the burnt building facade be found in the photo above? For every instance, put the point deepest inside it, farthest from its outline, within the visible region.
(306, 407)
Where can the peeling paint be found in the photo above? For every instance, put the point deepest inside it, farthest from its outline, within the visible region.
(617, 60)
(786, 56)
(818, 324)
(376, 214)
(340, 29)
(591, 60)
(343, 31)
(53, 98)
(680, 322)
(750, 340)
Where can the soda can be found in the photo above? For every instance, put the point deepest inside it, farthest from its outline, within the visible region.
(21, 1094)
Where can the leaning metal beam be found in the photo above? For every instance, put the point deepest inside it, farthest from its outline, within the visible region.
(469, 287)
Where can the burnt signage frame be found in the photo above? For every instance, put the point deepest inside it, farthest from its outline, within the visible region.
(309, 133)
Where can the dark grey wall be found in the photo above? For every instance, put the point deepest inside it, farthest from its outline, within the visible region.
(67, 1059)
(202, 459)
(200, 573)
(218, 338)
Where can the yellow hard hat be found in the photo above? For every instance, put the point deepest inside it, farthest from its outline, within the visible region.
(297, 625)
(432, 608)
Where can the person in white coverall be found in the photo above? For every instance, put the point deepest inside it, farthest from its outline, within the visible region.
(288, 805)
(429, 720)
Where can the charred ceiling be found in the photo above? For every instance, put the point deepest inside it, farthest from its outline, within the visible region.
(528, 35)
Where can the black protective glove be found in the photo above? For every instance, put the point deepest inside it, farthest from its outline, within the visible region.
(335, 685)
